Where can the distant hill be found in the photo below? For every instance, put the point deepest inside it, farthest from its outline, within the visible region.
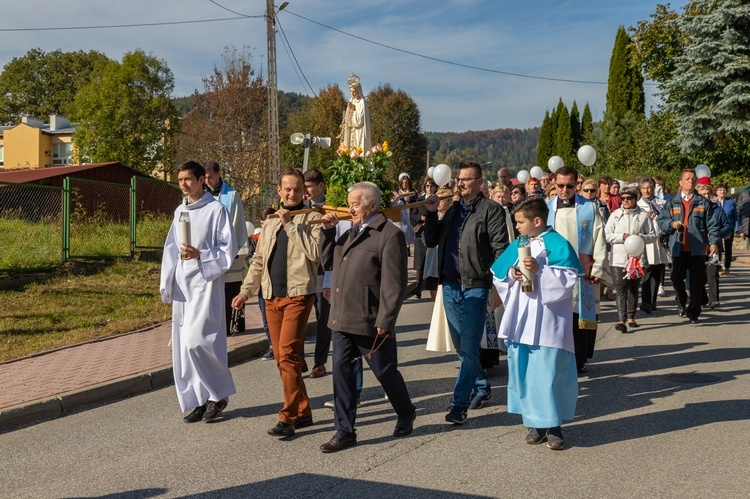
(509, 147)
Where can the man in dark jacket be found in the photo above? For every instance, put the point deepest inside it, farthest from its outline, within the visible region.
(367, 290)
(470, 236)
(693, 231)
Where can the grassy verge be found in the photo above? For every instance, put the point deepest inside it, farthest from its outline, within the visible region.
(78, 303)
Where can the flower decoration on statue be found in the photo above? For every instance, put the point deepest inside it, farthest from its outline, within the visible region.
(354, 165)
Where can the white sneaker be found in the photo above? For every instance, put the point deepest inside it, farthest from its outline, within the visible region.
(661, 291)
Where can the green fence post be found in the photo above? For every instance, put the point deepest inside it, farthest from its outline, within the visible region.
(133, 204)
(66, 220)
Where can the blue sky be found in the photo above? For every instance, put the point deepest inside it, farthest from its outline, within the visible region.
(569, 40)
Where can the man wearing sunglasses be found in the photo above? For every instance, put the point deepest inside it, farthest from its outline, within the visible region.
(470, 237)
(578, 221)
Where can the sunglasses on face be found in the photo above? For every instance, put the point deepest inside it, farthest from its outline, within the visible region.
(591, 191)
(566, 186)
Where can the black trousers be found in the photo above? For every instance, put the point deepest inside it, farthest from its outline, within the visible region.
(584, 341)
(728, 250)
(627, 294)
(681, 265)
(384, 364)
(651, 281)
(323, 335)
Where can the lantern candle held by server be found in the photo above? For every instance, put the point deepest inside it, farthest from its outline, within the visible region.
(524, 250)
(184, 230)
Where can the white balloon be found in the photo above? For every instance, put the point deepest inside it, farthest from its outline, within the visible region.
(431, 171)
(523, 176)
(587, 155)
(702, 171)
(634, 245)
(250, 228)
(554, 163)
(622, 184)
(442, 174)
(536, 172)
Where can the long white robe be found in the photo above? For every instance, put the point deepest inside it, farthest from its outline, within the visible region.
(196, 290)
(357, 130)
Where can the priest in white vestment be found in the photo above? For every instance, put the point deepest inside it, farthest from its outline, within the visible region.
(200, 248)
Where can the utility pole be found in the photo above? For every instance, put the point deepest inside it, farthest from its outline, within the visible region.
(274, 156)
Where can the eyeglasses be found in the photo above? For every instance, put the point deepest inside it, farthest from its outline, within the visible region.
(568, 186)
(579, 182)
(590, 191)
(468, 179)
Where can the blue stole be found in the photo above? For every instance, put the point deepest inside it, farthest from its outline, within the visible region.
(585, 213)
(558, 250)
(226, 197)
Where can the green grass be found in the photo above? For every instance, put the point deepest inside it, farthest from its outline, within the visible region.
(29, 245)
(77, 303)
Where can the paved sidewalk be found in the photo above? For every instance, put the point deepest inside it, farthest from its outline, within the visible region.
(54, 383)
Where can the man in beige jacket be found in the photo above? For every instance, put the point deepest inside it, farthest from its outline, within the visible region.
(285, 265)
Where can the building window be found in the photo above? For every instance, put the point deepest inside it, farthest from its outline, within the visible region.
(61, 154)
(2, 164)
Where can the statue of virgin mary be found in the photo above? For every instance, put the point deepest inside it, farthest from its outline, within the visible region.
(355, 125)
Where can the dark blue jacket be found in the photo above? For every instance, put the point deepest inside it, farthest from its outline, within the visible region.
(703, 226)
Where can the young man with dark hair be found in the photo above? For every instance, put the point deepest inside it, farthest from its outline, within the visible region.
(192, 279)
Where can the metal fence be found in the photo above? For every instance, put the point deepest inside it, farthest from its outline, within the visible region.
(42, 226)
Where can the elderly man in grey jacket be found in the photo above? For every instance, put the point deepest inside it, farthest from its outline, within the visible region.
(367, 291)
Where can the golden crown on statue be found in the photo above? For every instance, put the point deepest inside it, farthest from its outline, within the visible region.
(352, 80)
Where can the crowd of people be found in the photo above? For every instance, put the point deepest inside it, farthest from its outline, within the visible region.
(536, 257)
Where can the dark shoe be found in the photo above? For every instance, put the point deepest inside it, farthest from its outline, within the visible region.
(555, 439)
(303, 422)
(214, 410)
(404, 425)
(632, 323)
(318, 371)
(196, 415)
(536, 436)
(268, 355)
(456, 415)
(282, 430)
(304, 366)
(480, 400)
(646, 308)
(714, 305)
(340, 441)
(694, 321)
(583, 369)
(620, 326)
(680, 310)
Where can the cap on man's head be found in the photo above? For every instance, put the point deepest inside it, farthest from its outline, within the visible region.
(705, 181)
(402, 175)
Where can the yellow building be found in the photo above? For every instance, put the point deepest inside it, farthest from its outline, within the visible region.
(35, 144)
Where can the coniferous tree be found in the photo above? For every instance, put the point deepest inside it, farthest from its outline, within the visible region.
(709, 89)
(546, 140)
(625, 83)
(587, 125)
(564, 138)
(553, 122)
(575, 126)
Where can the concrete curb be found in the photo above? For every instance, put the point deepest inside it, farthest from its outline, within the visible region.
(63, 404)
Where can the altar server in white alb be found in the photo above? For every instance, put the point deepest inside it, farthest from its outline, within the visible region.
(200, 248)
(538, 323)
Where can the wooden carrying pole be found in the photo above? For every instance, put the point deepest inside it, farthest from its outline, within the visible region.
(392, 212)
(319, 209)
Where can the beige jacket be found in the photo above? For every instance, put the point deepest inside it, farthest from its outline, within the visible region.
(302, 257)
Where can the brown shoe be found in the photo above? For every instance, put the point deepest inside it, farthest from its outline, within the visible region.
(340, 441)
(318, 371)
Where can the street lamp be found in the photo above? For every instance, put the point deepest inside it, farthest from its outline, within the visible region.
(307, 140)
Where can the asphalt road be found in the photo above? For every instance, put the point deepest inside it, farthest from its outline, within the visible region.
(663, 413)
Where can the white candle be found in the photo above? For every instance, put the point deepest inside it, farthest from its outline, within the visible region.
(183, 229)
(527, 285)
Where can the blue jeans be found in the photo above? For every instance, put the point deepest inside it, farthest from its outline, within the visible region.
(465, 310)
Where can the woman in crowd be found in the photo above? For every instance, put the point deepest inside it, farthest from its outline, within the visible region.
(517, 193)
(613, 201)
(418, 215)
(588, 190)
(534, 189)
(626, 221)
(501, 195)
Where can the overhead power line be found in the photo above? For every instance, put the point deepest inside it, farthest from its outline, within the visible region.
(135, 25)
(295, 62)
(436, 59)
